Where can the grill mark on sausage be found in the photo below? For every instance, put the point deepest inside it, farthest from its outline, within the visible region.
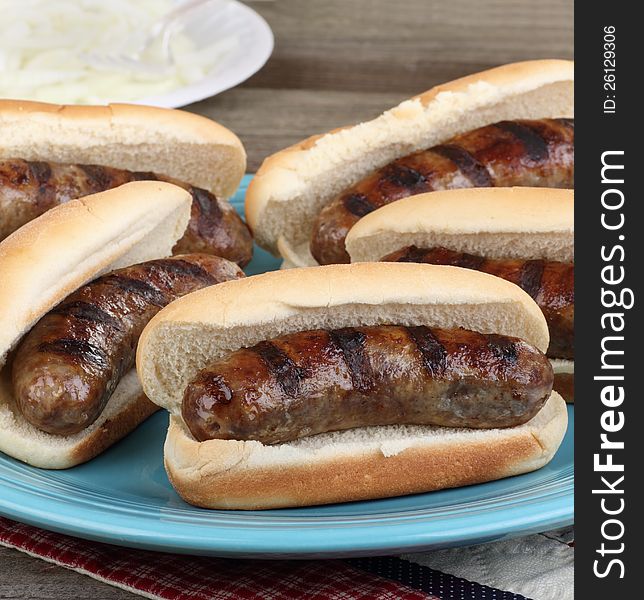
(98, 175)
(86, 311)
(351, 343)
(78, 350)
(471, 168)
(441, 256)
(207, 211)
(535, 145)
(530, 277)
(412, 254)
(502, 347)
(403, 176)
(183, 267)
(433, 352)
(358, 205)
(207, 202)
(135, 286)
(468, 261)
(287, 374)
(41, 171)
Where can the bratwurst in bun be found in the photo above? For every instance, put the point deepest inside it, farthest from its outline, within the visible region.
(80, 283)
(508, 126)
(377, 379)
(51, 154)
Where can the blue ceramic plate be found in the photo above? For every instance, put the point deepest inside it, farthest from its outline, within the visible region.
(123, 497)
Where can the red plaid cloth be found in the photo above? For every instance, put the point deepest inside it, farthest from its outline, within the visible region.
(157, 575)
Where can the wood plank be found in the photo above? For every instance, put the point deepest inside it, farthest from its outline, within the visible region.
(406, 45)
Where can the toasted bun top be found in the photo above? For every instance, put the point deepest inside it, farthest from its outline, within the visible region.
(179, 144)
(50, 257)
(516, 222)
(293, 185)
(199, 328)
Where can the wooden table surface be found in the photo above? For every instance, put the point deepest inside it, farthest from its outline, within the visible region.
(337, 62)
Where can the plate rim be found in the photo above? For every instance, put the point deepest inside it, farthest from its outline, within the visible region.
(373, 536)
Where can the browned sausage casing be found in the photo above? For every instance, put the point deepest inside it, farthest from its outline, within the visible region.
(316, 381)
(509, 153)
(551, 284)
(30, 188)
(69, 364)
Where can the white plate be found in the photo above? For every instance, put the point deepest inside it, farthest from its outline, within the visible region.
(254, 48)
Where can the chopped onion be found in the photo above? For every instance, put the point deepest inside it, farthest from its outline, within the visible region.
(43, 45)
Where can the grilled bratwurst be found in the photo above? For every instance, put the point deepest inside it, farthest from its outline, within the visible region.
(536, 153)
(316, 381)
(69, 364)
(29, 188)
(550, 284)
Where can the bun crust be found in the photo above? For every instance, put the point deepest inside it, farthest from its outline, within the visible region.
(50, 257)
(199, 328)
(520, 222)
(126, 409)
(358, 464)
(179, 144)
(293, 185)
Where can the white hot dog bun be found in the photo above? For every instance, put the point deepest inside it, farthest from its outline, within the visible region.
(293, 185)
(175, 143)
(521, 222)
(356, 464)
(49, 258)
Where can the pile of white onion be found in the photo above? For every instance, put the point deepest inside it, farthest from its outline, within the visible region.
(44, 45)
